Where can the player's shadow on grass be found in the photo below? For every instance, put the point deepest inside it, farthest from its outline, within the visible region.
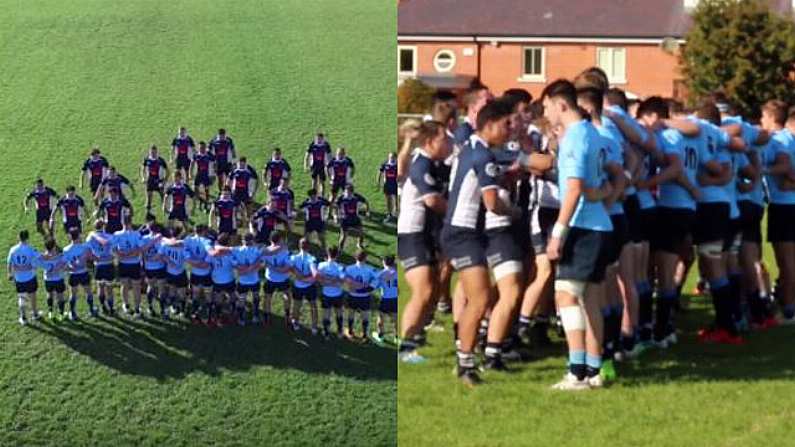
(172, 350)
(765, 356)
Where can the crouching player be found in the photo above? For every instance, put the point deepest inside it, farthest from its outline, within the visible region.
(330, 274)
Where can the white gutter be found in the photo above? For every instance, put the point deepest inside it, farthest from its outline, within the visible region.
(534, 39)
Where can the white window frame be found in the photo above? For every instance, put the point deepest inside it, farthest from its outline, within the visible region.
(448, 52)
(413, 49)
(542, 77)
(611, 76)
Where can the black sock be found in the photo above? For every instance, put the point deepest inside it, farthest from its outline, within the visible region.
(645, 311)
(326, 324)
(664, 304)
(49, 303)
(493, 350)
(735, 300)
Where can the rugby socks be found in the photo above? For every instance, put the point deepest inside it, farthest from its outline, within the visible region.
(721, 301)
(326, 325)
(102, 302)
(350, 325)
(150, 298)
(49, 303)
(493, 350)
(645, 311)
(466, 361)
(593, 364)
(607, 339)
(365, 325)
(339, 324)
(665, 302)
(577, 366)
(788, 311)
(90, 301)
(72, 303)
(61, 305)
(735, 301)
(756, 306)
(617, 315)
(255, 302)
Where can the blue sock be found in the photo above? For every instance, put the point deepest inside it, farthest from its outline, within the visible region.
(72, 303)
(90, 301)
(788, 311)
(365, 326)
(593, 364)
(326, 324)
(110, 303)
(577, 364)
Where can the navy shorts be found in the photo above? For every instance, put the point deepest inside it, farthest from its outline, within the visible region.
(154, 184)
(223, 167)
(502, 246)
(618, 237)
(72, 223)
(271, 287)
(224, 288)
(634, 223)
(390, 188)
(94, 183)
(583, 256)
(712, 222)
(388, 306)
(55, 286)
(43, 215)
(201, 280)
(113, 227)
(751, 221)
(316, 225)
(648, 223)
(202, 179)
(30, 286)
(351, 223)
(179, 214)
(674, 229)
(179, 281)
(241, 196)
(319, 172)
(416, 250)
(183, 162)
(338, 185)
(780, 220)
(79, 279)
(733, 232)
(360, 303)
(105, 272)
(305, 293)
(129, 271)
(245, 288)
(332, 301)
(155, 273)
(225, 226)
(464, 247)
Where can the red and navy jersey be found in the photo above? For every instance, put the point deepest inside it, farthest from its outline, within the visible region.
(225, 209)
(154, 166)
(390, 172)
(179, 195)
(241, 177)
(266, 221)
(313, 209)
(349, 205)
(115, 182)
(184, 146)
(70, 208)
(114, 209)
(96, 167)
(277, 169)
(341, 169)
(43, 198)
(203, 163)
(320, 153)
(221, 148)
(282, 199)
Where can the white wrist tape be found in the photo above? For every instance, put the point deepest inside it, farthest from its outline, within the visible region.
(559, 231)
(628, 175)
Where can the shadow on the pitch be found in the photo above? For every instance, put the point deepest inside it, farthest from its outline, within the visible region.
(765, 356)
(171, 350)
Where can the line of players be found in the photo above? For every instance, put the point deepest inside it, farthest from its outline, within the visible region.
(613, 207)
(238, 184)
(202, 276)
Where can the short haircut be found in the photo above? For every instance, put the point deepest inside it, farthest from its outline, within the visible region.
(592, 77)
(791, 114)
(95, 151)
(70, 188)
(226, 189)
(562, 89)
(444, 95)
(443, 111)
(175, 231)
(201, 229)
(654, 104)
(276, 237)
(277, 149)
(707, 110)
(128, 220)
(472, 95)
(222, 131)
(223, 239)
(518, 95)
(332, 252)
(39, 180)
(311, 192)
(202, 143)
(99, 224)
(24, 235)
(428, 131)
(616, 97)
(74, 234)
(242, 159)
(361, 256)
(49, 244)
(675, 107)
(150, 217)
(593, 97)
(248, 237)
(389, 260)
(494, 110)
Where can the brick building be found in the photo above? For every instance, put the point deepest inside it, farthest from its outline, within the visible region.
(528, 43)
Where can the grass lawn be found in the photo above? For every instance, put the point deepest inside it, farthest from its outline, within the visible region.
(690, 395)
(122, 75)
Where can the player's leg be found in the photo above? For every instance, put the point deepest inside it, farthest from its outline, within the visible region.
(22, 303)
(343, 236)
(629, 296)
(359, 232)
(326, 306)
(73, 298)
(296, 310)
(339, 315)
(312, 299)
(255, 299)
(266, 303)
(86, 286)
(420, 280)
(533, 323)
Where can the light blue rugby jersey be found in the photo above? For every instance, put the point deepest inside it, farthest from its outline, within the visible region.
(613, 153)
(579, 157)
(387, 283)
(784, 144)
(276, 260)
(246, 256)
(176, 256)
(223, 268)
(714, 146)
(364, 274)
(54, 267)
(152, 260)
(102, 253)
(23, 259)
(303, 263)
(127, 240)
(75, 255)
(197, 247)
(331, 269)
(671, 194)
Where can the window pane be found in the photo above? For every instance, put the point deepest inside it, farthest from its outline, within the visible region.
(603, 60)
(528, 61)
(619, 63)
(537, 62)
(406, 59)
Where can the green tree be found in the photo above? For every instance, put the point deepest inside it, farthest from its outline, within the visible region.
(742, 48)
(415, 96)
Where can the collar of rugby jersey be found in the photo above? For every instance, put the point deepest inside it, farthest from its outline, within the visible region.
(474, 139)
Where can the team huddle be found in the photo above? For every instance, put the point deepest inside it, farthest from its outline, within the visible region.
(587, 209)
(227, 271)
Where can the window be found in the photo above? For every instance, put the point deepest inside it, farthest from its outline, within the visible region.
(614, 62)
(444, 61)
(533, 64)
(407, 60)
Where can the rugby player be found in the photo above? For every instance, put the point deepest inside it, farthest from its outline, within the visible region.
(113, 180)
(21, 265)
(275, 170)
(71, 207)
(45, 198)
(113, 209)
(331, 276)
(316, 161)
(154, 172)
(182, 147)
(104, 266)
(314, 217)
(223, 213)
(347, 206)
(248, 262)
(277, 276)
(222, 148)
(77, 255)
(95, 167)
(173, 252)
(176, 200)
(340, 170)
(202, 169)
(387, 286)
(54, 265)
(304, 269)
(387, 177)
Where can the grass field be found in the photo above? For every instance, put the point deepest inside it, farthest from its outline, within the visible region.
(123, 75)
(690, 395)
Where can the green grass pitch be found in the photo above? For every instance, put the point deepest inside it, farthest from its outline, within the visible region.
(123, 75)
